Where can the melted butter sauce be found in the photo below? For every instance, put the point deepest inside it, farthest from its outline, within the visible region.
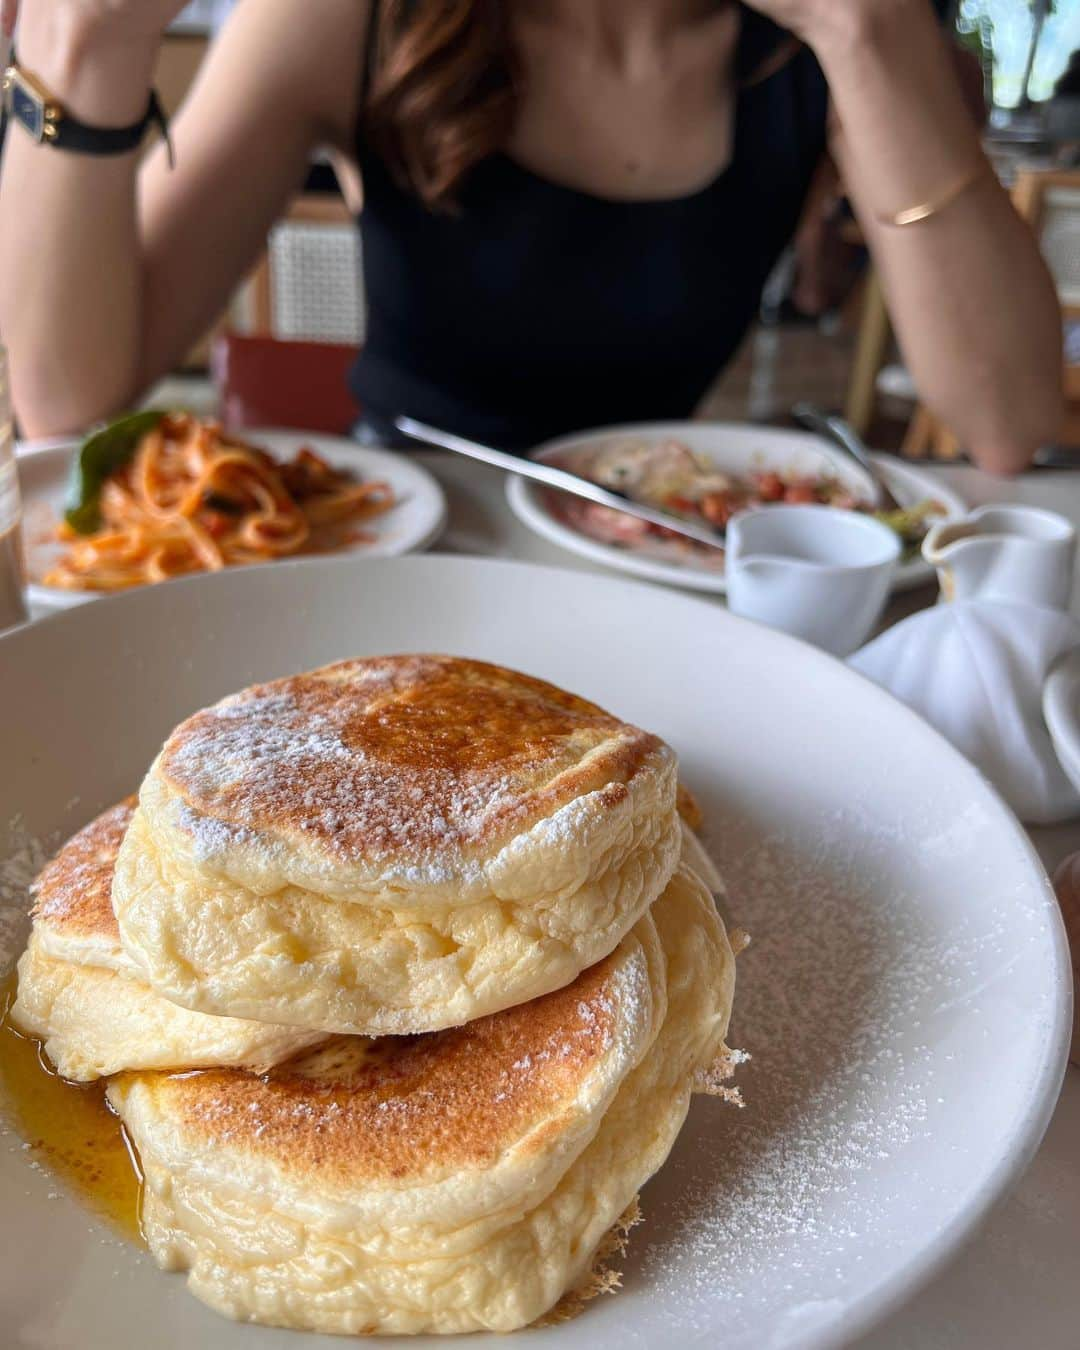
(69, 1127)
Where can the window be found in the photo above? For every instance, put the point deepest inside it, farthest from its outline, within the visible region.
(1003, 32)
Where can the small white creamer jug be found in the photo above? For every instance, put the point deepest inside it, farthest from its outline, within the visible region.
(818, 573)
(1013, 553)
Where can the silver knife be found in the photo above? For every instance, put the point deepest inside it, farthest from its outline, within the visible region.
(561, 479)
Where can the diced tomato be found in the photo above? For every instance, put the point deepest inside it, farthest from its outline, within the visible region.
(800, 494)
(770, 487)
(716, 507)
(685, 506)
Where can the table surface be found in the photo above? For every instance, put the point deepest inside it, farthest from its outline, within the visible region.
(1016, 1283)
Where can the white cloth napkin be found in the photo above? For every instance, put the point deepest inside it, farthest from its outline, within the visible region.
(976, 670)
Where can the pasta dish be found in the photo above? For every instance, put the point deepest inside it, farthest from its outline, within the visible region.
(192, 498)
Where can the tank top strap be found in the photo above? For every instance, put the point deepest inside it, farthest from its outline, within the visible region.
(759, 39)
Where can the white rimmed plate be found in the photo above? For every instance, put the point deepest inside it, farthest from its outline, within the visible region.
(414, 523)
(736, 448)
(905, 999)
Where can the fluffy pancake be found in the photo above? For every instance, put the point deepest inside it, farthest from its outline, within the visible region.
(82, 996)
(695, 855)
(458, 1181)
(391, 846)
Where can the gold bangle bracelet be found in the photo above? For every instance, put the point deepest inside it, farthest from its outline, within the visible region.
(914, 214)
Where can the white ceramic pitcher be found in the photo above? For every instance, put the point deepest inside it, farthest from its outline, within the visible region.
(814, 571)
(1016, 553)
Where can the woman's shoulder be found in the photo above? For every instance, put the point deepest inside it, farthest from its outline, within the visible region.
(314, 53)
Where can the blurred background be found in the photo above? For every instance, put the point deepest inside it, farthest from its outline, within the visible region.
(824, 332)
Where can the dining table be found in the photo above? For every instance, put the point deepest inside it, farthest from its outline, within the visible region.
(1017, 1282)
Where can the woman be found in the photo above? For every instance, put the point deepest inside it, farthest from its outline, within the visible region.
(570, 207)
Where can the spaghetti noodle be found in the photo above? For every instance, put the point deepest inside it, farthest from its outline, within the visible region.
(194, 499)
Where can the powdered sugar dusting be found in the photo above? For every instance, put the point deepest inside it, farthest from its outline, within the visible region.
(22, 856)
(73, 892)
(372, 763)
(838, 1086)
(269, 755)
(210, 837)
(251, 734)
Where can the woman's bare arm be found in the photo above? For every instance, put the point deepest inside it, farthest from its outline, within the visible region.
(971, 299)
(108, 272)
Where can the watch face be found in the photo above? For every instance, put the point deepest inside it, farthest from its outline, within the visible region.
(28, 110)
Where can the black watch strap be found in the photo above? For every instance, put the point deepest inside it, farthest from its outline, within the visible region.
(71, 134)
(49, 122)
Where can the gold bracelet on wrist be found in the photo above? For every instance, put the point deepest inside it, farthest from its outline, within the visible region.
(914, 214)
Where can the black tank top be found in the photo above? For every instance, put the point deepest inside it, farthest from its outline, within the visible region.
(539, 309)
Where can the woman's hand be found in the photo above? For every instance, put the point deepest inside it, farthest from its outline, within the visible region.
(822, 22)
(96, 56)
(120, 20)
(965, 281)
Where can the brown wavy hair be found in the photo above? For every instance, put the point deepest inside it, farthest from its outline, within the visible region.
(442, 89)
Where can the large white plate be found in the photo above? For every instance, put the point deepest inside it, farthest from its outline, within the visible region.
(736, 448)
(414, 522)
(905, 999)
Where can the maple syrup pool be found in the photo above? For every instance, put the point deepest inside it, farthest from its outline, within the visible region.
(67, 1128)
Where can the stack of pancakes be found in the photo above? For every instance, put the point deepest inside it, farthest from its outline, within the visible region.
(402, 973)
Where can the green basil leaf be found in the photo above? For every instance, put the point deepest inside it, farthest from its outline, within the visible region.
(101, 454)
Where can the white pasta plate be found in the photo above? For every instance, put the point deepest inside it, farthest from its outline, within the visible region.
(412, 524)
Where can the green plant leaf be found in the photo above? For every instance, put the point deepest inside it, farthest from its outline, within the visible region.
(101, 454)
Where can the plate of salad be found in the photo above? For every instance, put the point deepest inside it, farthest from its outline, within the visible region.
(710, 471)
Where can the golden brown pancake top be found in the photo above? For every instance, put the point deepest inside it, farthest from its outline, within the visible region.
(398, 754)
(404, 1106)
(73, 892)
